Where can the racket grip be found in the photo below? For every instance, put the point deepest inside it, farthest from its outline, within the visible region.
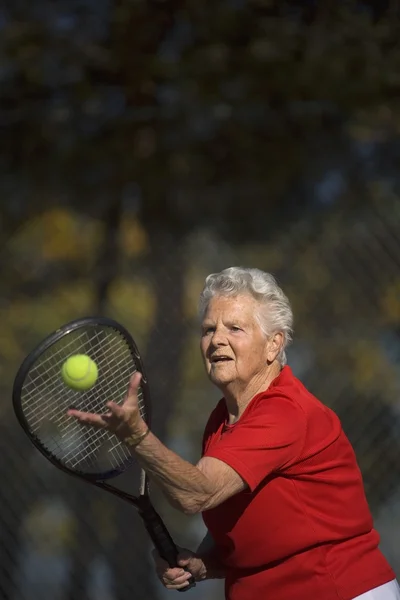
(162, 540)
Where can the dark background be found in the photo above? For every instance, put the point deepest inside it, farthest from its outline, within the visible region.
(146, 144)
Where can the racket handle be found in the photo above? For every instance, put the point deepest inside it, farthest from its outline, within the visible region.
(162, 540)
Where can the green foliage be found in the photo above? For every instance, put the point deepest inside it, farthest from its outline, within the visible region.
(211, 112)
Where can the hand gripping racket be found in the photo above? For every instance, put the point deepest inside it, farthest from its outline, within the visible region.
(41, 401)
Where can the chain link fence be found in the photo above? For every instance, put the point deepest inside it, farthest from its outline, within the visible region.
(63, 540)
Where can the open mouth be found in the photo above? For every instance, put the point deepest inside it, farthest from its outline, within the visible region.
(219, 359)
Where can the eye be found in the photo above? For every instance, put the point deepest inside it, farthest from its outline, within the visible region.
(235, 328)
(208, 330)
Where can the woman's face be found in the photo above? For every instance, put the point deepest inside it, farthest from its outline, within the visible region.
(234, 348)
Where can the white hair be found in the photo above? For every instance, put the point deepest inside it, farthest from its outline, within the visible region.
(275, 314)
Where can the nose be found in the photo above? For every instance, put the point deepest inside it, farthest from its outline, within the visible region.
(218, 338)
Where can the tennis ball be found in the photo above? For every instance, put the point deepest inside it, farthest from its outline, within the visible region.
(79, 372)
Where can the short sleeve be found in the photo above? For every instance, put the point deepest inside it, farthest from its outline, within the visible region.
(267, 439)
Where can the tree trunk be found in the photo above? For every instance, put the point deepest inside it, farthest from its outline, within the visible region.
(166, 341)
(89, 533)
(135, 576)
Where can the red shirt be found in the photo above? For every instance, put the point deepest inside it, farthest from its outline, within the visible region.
(303, 529)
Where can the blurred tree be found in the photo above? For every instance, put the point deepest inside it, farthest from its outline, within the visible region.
(185, 105)
(218, 115)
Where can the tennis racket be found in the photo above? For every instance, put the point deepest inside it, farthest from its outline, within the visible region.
(41, 401)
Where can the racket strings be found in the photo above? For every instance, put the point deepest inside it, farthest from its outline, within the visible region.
(45, 400)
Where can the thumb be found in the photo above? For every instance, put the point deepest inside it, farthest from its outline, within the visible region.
(183, 562)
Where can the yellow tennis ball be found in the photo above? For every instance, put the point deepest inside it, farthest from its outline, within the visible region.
(79, 372)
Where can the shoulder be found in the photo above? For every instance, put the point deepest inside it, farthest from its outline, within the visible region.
(288, 391)
(285, 394)
(291, 406)
(277, 412)
(285, 403)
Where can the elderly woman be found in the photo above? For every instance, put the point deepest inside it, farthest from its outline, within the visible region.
(278, 483)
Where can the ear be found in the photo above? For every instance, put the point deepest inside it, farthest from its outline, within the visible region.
(275, 344)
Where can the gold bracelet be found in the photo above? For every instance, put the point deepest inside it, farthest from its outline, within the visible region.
(134, 440)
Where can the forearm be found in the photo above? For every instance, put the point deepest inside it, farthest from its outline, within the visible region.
(183, 484)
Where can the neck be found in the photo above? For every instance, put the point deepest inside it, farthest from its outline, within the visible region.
(237, 396)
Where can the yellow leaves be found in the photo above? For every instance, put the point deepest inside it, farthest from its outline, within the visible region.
(133, 303)
(63, 235)
(193, 372)
(313, 270)
(67, 237)
(58, 234)
(10, 349)
(52, 239)
(134, 240)
(371, 368)
(391, 304)
(72, 300)
(26, 321)
(36, 318)
(365, 363)
(50, 526)
(46, 312)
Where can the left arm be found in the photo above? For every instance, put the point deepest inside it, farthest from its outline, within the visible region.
(189, 488)
(270, 440)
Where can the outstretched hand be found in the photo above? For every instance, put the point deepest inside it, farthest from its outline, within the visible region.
(124, 420)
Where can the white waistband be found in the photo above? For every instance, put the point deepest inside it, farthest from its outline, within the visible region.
(387, 591)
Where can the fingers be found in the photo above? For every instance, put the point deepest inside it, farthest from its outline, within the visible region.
(179, 583)
(172, 578)
(116, 410)
(117, 415)
(89, 419)
(134, 383)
